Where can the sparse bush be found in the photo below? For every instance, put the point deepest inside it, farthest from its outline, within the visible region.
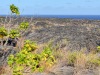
(13, 32)
(80, 59)
(27, 58)
(93, 60)
(71, 58)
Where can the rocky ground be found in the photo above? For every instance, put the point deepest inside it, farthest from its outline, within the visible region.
(69, 34)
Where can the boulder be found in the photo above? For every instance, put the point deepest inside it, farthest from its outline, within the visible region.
(66, 70)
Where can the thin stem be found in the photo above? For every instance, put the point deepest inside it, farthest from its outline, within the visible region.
(9, 28)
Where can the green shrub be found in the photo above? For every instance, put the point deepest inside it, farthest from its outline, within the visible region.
(98, 49)
(14, 9)
(27, 58)
(24, 25)
(47, 56)
(3, 32)
(14, 33)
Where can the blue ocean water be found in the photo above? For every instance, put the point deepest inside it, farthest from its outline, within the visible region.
(90, 17)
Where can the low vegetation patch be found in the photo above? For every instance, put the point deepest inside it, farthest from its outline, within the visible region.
(29, 60)
(98, 49)
(83, 60)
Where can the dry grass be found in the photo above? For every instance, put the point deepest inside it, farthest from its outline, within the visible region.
(20, 43)
(78, 59)
(2, 70)
(5, 70)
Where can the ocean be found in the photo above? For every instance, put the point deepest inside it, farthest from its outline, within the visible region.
(88, 17)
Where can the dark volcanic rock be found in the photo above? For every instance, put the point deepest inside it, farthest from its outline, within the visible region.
(88, 72)
(64, 71)
(5, 52)
(41, 24)
(79, 34)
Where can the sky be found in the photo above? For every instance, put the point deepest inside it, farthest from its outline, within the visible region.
(52, 7)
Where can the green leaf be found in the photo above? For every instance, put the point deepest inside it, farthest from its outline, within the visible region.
(14, 9)
(24, 25)
(3, 31)
(14, 33)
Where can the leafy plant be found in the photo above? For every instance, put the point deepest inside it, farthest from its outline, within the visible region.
(47, 56)
(3, 32)
(27, 58)
(14, 33)
(14, 9)
(24, 58)
(24, 25)
(98, 49)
